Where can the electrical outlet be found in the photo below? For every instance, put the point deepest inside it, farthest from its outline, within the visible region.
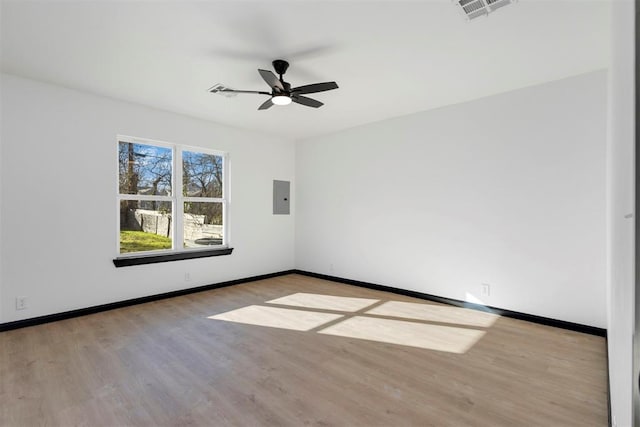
(21, 303)
(187, 277)
(485, 290)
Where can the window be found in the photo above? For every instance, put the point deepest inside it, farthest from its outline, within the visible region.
(171, 198)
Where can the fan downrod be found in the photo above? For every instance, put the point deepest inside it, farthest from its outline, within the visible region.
(280, 65)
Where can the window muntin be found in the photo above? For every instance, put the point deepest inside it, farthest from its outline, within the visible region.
(154, 216)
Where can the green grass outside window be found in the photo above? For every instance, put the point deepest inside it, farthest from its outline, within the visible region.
(138, 241)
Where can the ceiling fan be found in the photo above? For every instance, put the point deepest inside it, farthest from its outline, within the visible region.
(281, 91)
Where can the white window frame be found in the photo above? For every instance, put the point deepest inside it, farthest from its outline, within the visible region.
(177, 199)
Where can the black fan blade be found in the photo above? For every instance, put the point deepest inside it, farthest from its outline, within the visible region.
(303, 100)
(216, 90)
(271, 80)
(266, 104)
(247, 91)
(315, 87)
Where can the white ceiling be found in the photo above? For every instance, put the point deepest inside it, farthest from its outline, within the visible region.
(390, 58)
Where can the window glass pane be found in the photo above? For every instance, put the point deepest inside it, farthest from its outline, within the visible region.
(144, 169)
(202, 224)
(201, 175)
(145, 225)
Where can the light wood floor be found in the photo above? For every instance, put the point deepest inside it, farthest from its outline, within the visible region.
(389, 361)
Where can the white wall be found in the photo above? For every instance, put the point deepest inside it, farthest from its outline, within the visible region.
(621, 200)
(58, 199)
(508, 190)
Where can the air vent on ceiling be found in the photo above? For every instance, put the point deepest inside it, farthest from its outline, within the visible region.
(474, 8)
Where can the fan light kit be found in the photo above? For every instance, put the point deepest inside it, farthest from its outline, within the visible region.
(281, 100)
(281, 91)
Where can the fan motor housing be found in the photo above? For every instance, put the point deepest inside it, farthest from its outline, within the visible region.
(280, 65)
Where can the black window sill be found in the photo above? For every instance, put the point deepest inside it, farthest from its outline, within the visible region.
(153, 259)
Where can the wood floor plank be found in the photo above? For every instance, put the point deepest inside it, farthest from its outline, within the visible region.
(193, 360)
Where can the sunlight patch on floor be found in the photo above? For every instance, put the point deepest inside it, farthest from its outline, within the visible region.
(324, 302)
(274, 317)
(435, 313)
(424, 325)
(422, 335)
